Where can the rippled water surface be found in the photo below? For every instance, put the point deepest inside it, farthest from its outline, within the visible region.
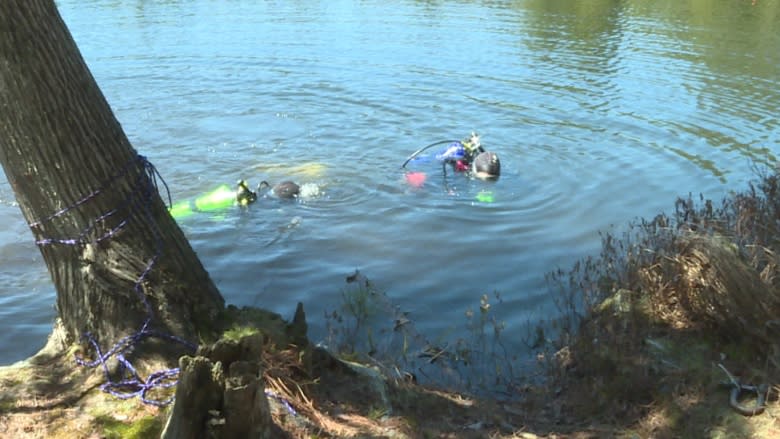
(601, 111)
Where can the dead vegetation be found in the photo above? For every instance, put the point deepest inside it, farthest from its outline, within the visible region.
(669, 311)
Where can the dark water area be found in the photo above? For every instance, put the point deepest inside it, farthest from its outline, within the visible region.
(601, 112)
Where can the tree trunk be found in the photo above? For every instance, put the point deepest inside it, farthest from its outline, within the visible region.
(115, 255)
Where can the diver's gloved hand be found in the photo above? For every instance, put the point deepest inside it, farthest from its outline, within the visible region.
(244, 195)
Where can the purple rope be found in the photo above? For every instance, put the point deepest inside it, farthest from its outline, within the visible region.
(131, 384)
(122, 172)
(281, 400)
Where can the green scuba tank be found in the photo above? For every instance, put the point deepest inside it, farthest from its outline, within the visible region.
(182, 209)
(218, 199)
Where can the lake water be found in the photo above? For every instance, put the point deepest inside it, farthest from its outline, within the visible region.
(601, 112)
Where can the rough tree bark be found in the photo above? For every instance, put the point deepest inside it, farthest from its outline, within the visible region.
(60, 143)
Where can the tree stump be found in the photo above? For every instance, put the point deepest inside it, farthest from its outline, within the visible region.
(212, 404)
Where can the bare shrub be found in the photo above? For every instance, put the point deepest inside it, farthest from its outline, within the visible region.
(708, 271)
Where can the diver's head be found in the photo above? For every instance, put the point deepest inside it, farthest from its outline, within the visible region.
(287, 189)
(244, 195)
(486, 165)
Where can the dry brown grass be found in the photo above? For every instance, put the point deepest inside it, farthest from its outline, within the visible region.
(654, 320)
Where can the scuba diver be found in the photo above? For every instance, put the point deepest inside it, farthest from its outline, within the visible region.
(285, 189)
(469, 156)
(466, 156)
(224, 196)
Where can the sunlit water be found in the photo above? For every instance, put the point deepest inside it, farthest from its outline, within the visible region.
(601, 112)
